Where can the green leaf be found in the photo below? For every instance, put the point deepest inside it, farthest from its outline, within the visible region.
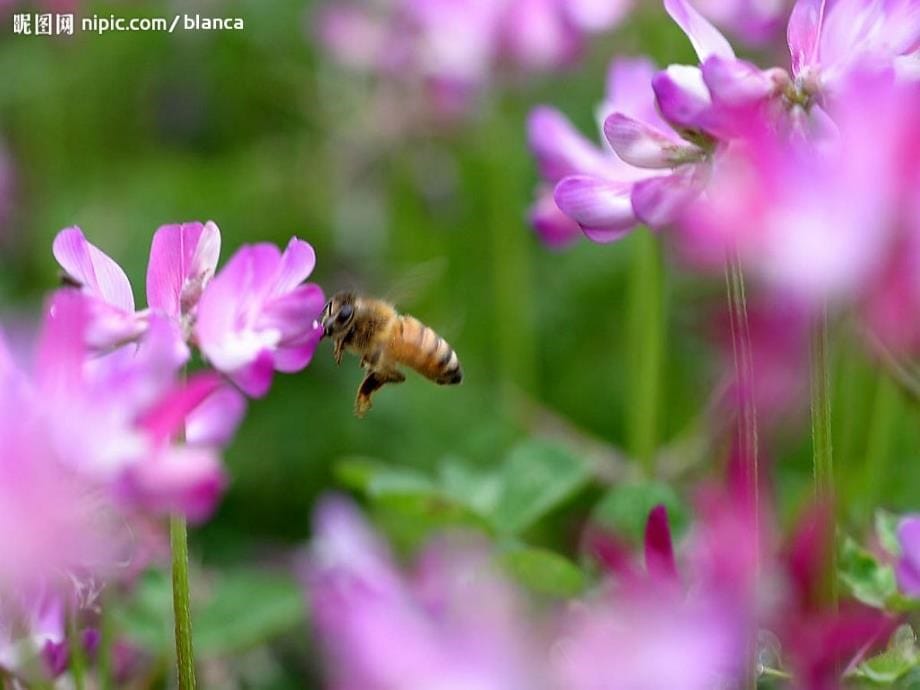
(895, 662)
(537, 478)
(624, 509)
(145, 617)
(543, 571)
(243, 609)
(869, 581)
(886, 527)
(374, 478)
(480, 492)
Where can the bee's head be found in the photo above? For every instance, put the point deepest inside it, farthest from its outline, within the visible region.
(338, 314)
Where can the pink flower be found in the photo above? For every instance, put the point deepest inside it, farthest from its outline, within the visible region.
(646, 640)
(908, 567)
(182, 260)
(651, 175)
(451, 50)
(752, 21)
(778, 201)
(114, 420)
(452, 626)
(257, 315)
(55, 522)
(830, 41)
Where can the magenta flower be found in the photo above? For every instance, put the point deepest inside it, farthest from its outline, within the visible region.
(908, 566)
(452, 626)
(258, 316)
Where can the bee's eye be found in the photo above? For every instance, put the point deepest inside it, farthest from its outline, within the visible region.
(345, 313)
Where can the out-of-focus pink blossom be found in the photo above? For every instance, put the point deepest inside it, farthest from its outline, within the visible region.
(452, 49)
(647, 640)
(114, 419)
(779, 201)
(820, 640)
(753, 21)
(452, 626)
(258, 316)
(829, 41)
(908, 566)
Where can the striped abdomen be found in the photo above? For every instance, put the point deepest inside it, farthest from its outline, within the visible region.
(414, 344)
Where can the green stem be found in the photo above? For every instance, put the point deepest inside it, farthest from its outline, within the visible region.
(878, 445)
(185, 658)
(822, 451)
(647, 333)
(107, 639)
(511, 254)
(77, 657)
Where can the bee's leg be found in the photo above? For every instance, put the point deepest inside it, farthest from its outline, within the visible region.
(372, 383)
(338, 349)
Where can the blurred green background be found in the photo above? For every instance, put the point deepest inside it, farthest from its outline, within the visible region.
(255, 130)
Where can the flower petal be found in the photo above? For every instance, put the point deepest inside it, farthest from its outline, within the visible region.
(803, 33)
(183, 259)
(683, 97)
(659, 551)
(215, 420)
(596, 15)
(658, 201)
(601, 207)
(555, 229)
(168, 417)
(95, 272)
(255, 377)
(297, 263)
(629, 90)
(706, 39)
(735, 82)
(644, 146)
(559, 148)
(179, 479)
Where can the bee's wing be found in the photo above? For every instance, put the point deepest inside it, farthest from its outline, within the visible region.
(414, 282)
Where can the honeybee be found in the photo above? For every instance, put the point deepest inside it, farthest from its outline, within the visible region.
(384, 339)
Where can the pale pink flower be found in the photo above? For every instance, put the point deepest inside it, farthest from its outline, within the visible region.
(451, 50)
(453, 625)
(258, 316)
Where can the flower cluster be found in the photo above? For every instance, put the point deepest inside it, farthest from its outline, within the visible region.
(100, 426)
(734, 158)
(651, 623)
(451, 50)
